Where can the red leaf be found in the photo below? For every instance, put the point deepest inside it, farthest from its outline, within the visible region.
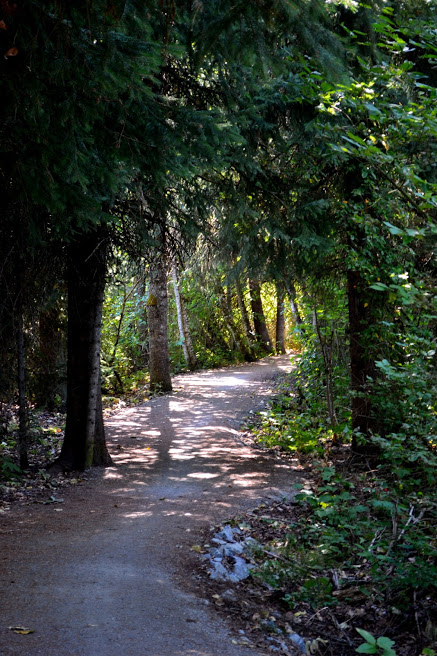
(12, 52)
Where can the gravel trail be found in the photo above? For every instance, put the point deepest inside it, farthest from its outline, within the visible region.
(105, 572)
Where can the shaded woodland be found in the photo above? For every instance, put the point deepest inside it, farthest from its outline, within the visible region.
(192, 184)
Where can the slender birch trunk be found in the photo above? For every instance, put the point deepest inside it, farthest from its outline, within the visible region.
(187, 344)
(291, 291)
(177, 297)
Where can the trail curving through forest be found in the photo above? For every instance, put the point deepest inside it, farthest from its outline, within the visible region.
(105, 572)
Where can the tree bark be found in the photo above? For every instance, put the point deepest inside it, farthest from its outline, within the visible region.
(291, 291)
(237, 339)
(101, 457)
(157, 303)
(143, 330)
(259, 321)
(184, 331)
(244, 314)
(280, 318)
(86, 284)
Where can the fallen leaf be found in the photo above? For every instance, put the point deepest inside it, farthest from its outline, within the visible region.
(22, 630)
(3, 25)
(196, 547)
(12, 52)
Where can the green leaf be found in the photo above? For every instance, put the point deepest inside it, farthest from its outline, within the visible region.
(367, 648)
(368, 637)
(372, 109)
(379, 286)
(393, 229)
(385, 643)
(355, 138)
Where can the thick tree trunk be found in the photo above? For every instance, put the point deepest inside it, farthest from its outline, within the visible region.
(280, 319)
(159, 362)
(86, 284)
(101, 456)
(259, 322)
(184, 331)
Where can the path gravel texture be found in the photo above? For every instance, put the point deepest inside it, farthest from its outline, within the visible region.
(111, 571)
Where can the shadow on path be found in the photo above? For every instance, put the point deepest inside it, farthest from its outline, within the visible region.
(98, 575)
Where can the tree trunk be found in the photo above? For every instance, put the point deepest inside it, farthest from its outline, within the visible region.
(22, 404)
(326, 343)
(362, 366)
(245, 318)
(259, 322)
(280, 319)
(101, 456)
(226, 306)
(187, 344)
(291, 291)
(143, 330)
(86, 284)
(159, 362)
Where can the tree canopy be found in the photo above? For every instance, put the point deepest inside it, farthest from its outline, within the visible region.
(277, 159)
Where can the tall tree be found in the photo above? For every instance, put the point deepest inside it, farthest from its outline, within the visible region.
(84, 434)
(157, 309)
(280, 319)
(259, 321)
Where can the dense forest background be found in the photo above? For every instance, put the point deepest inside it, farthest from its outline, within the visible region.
(189, 184)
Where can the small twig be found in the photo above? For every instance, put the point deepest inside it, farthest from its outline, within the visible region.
(376, 537)
(334, 579)
(411, 520)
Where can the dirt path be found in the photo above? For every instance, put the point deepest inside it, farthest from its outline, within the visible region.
(102, 574)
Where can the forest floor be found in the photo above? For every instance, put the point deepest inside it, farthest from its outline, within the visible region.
(110, 564)
(116, 561)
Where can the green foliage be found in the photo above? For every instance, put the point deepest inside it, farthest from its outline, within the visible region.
(124, 336)
(382, 646)
(365, 530)
(312, 407)
(9, 470)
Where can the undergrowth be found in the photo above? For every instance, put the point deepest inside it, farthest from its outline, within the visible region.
(366, 527)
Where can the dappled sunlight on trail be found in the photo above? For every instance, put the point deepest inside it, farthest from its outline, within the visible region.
(104, 571)
(189, 438)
